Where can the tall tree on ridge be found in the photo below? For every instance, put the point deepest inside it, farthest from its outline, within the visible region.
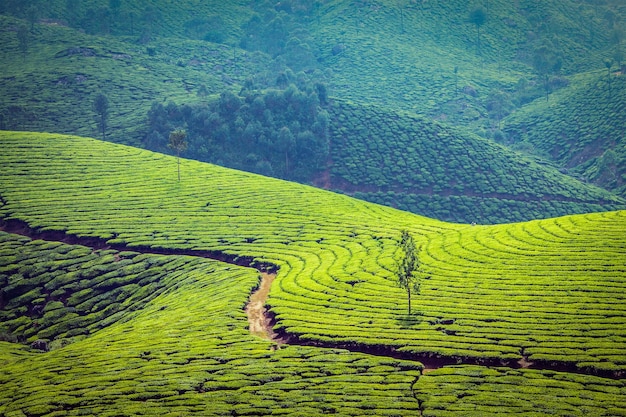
(177, 142)
(101, 107)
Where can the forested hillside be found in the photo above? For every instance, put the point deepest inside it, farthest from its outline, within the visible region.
(278, 89)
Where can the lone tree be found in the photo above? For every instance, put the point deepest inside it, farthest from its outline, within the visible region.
(22, 38)
(101, 107)
(177, 142)
(478, 17)
(408, 268)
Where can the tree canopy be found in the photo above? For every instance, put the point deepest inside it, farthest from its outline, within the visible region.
(408, 267)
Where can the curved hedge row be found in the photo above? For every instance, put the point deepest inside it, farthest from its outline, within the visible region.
(184, 350)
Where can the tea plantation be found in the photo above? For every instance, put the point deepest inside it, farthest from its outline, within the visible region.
(415, 164)
(375, 60)
(581, 128)
(138, 321)
(186, 351)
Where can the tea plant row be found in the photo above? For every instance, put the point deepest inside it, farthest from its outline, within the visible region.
(470, 391)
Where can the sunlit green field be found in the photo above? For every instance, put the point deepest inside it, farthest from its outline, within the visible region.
(132, 332)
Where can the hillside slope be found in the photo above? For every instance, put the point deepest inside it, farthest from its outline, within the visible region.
(52, 87)
(419, 56)
(429, 58)
(409, 162)
(581, 128)
(548, 294)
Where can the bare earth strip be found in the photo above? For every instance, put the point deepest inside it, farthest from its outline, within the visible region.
(260, 323)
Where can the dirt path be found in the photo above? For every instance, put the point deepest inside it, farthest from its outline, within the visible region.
(260, 323)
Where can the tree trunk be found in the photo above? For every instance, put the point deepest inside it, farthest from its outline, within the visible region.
(103, 121)
(408, 293)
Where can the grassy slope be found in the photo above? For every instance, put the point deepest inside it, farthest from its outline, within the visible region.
(582, 128)
(469, 391)
(169, 17)
(426, 167)
(562, 280)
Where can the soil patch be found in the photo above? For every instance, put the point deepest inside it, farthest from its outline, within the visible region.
(260, 322)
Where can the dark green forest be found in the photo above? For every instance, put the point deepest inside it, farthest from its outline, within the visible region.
(488, 111)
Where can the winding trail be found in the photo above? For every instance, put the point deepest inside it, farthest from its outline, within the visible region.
(261, 321)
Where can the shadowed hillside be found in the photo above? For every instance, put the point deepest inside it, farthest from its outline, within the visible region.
(417, 165)
(581, 129)
(464, 65)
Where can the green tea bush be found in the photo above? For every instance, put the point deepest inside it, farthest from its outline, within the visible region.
(519, 392)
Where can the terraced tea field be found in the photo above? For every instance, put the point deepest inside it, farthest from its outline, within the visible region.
(409, 162)
(150, 326)
(581, 128)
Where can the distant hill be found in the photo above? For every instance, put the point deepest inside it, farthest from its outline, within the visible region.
(422, 55)
(426, 167)
(464, 65)
(581, 128)
(52, 87)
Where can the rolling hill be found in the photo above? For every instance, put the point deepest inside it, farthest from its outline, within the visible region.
(412, 163)
(380, 60)
(581, 129)
(524, 317)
